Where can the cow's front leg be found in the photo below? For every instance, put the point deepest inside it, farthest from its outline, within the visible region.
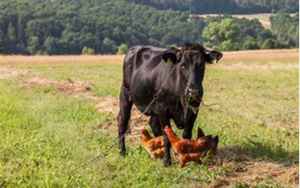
(167, 145)
(123, 118)
(187, 132)
(189, 124)
(156, 128)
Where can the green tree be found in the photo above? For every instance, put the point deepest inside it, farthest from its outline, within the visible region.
(250, 43)
(11, 33)
(2, 42)
(108, 45)
(12, 38)
(269, 44)
(122, 49)
(33, 46)
(51, 45)
(223, 34)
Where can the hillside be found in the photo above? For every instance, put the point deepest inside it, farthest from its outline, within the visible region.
(105, 27)
(67, 26)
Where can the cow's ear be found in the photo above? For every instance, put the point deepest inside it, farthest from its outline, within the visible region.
(170, 56)
(216, 138)
(200, 133)
(213, 56)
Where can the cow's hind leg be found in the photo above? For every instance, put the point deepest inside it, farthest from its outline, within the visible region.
(123, 118)
(155, 125)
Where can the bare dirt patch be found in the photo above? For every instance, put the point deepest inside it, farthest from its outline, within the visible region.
(70, 86)
(247, 170)
(110, 105)
(7, 73)
(107, 104)
(252, 173)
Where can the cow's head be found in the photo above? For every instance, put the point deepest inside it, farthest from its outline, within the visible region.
(210, 143)
(190, 61)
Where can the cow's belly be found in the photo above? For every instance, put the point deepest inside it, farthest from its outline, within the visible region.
(151, 109)
(158, 107)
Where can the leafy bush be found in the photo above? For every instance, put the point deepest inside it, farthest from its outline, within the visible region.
(269, 44)
(122, 49)
(88, 51)
(250, 43)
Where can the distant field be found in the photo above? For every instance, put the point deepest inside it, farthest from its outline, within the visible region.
(57, 113)
(263, 18)
(254, 56)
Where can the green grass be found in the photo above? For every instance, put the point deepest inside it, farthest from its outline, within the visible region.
(50, 139)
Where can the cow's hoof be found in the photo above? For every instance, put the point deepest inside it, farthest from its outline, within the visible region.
(167, 163)
(123, 153)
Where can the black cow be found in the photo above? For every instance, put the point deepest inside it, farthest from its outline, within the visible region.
(164, 84)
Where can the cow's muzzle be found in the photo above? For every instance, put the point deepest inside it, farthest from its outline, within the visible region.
(194, 97)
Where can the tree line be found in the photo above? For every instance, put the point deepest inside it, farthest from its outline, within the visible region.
(104, 26)
(67, 26)
(286, 29)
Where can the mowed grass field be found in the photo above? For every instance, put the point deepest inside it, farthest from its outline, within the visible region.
(58, 126)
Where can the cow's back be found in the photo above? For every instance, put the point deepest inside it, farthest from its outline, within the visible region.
(140, 57)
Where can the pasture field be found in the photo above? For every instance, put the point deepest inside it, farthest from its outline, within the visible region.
(58, 125)
(264, 18)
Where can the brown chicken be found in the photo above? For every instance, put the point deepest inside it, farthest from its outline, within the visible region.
(154, 146)
(191, 150)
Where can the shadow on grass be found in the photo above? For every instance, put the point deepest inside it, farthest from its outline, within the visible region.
(259, 151)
